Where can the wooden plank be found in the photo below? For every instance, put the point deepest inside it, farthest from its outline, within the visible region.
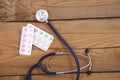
(24, 10)
(104, 76)
(7, 10)
(11, 40)
(95, 26)
(80, 33)
(83, 77)
(11, 63)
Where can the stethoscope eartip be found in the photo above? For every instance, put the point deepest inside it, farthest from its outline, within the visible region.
(89, 72)
(42, 15)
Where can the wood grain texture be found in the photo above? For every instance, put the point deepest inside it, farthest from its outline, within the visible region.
(83, 34)
(24, 10)
(104, 76)
(101, 58)
(93, 26)
(7, 10)
(11, 40)
(102, 36)
(79, 33)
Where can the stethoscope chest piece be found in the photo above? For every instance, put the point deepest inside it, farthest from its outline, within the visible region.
(42, 15)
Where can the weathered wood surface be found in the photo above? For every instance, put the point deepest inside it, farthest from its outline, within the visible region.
(104, 42)
(24, 10)
(102, 36)
(14, 64)
(103, 76)
(79, 33)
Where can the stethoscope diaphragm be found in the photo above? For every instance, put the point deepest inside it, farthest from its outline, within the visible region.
(42, 15)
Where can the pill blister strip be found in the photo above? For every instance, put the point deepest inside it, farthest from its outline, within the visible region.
(41, 38)
(31, 35)
(26, 41)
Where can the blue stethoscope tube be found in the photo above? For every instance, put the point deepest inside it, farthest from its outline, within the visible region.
(30, 71)
(68, 46)
(40, 66)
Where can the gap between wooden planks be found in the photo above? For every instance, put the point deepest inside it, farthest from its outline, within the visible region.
(79, 33)
(103, 76)
(24, 10)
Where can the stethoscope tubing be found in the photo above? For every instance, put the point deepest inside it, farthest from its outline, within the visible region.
(68, 46)
(63, 53)
(30, 71)
(89, 65)
(39, 64)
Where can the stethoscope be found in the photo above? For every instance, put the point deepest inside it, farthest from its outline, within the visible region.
(42, 16)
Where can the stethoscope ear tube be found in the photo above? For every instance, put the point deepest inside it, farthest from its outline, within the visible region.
(85, 56)
(90, 61)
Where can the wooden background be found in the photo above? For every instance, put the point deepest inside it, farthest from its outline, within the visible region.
(93, 24)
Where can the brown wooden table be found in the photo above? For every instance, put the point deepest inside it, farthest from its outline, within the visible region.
(93, 24)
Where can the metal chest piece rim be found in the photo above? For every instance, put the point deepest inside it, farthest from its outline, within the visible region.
(42, 15)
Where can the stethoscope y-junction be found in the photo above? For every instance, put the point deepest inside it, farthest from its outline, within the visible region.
(42, 16)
